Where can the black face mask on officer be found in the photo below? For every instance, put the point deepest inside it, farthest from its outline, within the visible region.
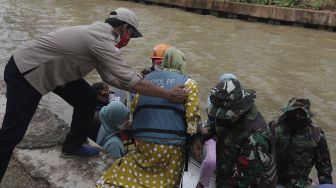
(297, 119)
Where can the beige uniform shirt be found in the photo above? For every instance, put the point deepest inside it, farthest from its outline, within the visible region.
(68, 54)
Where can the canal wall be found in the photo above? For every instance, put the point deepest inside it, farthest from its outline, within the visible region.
(317, 19)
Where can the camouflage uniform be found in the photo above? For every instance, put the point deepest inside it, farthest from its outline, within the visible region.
(298, 150)
(245, 156)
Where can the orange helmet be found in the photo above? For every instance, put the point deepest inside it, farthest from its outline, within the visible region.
(159, 51)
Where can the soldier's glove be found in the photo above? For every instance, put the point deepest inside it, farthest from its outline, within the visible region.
(208, 131)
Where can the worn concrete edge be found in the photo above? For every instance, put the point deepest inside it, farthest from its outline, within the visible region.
(37, 161)
(293, 15)
(46, 168)
(18, 177)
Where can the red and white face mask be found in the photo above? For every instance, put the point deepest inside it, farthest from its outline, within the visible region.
(124, 39)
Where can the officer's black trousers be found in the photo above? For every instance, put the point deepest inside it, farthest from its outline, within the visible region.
(22, 102)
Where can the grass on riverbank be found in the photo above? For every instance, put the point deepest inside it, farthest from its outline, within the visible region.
(305, 4)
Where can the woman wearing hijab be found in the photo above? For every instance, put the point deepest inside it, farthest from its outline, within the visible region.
(160, 129)
(114, 118)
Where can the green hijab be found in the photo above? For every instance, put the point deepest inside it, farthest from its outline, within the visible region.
(112, 115)
(174, 60)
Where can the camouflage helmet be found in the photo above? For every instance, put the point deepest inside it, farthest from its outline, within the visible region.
(230, 99)
(299, 103)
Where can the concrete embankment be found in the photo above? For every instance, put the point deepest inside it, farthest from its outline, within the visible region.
(270, 14)
(36, 161)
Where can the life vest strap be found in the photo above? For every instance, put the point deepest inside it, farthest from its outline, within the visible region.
(152, 106)
(165, 131)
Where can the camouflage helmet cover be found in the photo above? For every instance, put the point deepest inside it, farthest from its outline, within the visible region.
(299, 103)
(230, 99)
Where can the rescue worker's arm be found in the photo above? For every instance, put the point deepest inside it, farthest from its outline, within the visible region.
(116, 72)
(210, 126)
(208, 131)
(143, 87)
(193, 115)
(323, 163)
(251, 160)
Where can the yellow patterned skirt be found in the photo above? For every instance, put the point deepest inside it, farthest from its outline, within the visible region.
(149, 165)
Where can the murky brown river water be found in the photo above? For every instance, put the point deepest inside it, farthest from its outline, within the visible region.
(278, 61)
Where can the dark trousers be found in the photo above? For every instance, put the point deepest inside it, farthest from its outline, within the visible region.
(94, 126)
(22, 102)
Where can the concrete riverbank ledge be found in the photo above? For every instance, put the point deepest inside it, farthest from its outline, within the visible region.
(36, 161)
(253, 12)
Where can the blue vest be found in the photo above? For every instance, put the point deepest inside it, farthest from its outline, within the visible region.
(157, 120)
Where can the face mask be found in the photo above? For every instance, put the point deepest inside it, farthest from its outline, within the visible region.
(124, 39)
(298, 120)
(223, 122)
(226, 114)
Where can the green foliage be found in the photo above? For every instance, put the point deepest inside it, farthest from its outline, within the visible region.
(316, 5)
(313, 4)
(286, 3)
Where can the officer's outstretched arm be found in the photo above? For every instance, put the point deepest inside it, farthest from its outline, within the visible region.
(143, 87)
